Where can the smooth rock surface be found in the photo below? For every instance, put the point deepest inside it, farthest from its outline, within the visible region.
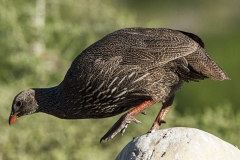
(179, 144)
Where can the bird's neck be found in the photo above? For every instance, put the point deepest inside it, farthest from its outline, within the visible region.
(46, 99)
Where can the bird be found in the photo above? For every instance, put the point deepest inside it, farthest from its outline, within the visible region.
(127, 71)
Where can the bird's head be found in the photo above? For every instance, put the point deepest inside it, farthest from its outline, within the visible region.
(23, 104)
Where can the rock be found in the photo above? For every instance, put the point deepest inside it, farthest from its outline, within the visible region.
(179, 144)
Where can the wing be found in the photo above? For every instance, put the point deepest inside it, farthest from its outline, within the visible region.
(143, 46)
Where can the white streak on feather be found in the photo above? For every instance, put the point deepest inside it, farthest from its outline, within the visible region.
(112, 82)
(129, 76)
(115, 100)
(141, 78)
(89, 99)
(120, 94)
(121, 80)
(113, 90)
(88, 89)
(104, 97)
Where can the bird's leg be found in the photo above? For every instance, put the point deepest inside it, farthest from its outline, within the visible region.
(122, 123)
(161, 115)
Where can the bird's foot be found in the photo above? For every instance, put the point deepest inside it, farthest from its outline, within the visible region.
(161, 115)
(119, 126)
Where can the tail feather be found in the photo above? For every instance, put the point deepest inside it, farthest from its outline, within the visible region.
(201, 62)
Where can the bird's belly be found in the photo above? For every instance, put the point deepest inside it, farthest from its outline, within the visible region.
(99, 110)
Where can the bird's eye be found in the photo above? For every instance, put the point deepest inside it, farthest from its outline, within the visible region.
(19, 103)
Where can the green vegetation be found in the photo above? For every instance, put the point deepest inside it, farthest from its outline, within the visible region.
(39, 39)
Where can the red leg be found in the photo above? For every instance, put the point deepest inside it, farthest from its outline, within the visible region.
(122, 123)
(161, 115)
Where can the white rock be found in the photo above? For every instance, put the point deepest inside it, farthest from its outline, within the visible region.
(179, 144)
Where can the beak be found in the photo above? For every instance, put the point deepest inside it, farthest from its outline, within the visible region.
(12, 118)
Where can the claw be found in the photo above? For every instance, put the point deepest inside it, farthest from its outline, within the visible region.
(144, 112)
(135, 120)
(124, 129)
(151, 131)
(162, 121)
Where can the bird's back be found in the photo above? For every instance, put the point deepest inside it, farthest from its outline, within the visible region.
(153, 47)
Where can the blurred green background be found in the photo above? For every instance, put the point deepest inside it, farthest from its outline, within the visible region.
(39, 39)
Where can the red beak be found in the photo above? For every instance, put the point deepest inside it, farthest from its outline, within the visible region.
(12, 118)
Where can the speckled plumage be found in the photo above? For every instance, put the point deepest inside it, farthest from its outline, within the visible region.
(121, 71)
